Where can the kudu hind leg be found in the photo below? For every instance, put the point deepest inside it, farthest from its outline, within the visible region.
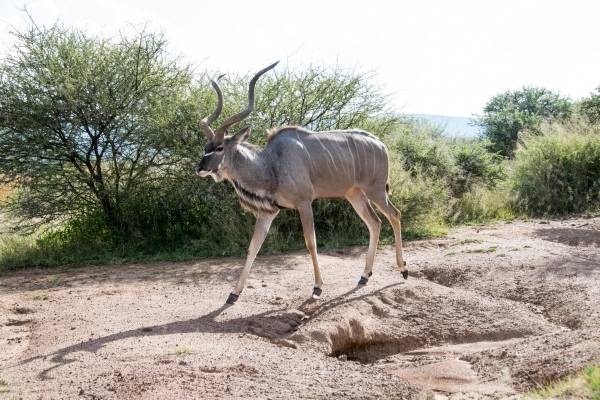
(363, 208)
(261, 228)
(383, 203)
(308, 227)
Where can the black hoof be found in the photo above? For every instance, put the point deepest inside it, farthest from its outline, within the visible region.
(316, 292)
(363, 280)
(232, 298)
(405, 274)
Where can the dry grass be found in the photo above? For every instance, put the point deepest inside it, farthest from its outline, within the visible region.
(183, 352)
(5, 191)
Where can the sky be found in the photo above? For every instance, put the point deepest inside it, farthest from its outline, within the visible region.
(433, 57)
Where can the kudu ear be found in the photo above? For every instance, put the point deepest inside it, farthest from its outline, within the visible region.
(242, 135)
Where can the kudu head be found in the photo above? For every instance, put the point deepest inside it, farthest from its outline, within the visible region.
(220, 144)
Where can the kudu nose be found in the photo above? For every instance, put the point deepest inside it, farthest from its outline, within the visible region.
(199, 168)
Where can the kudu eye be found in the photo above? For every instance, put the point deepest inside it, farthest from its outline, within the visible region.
(219, 148)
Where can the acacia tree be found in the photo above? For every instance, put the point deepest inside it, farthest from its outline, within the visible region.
(508, 114)
(85, 121)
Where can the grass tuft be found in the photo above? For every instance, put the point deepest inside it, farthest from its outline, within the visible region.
(583, 386)
(3, 386)
(183, 352)
(490, 249)
(470, 240)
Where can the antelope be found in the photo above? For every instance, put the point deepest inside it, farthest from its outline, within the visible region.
(296, 167)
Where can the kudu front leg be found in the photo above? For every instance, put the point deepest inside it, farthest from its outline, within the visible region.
(308, 226)
(261, 228)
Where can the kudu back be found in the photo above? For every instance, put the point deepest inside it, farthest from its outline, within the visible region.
(296, 167)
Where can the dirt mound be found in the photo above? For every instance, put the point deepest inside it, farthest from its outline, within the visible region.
(415, 315)
(489, 311)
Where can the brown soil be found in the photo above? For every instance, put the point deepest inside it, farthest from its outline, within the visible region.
(488, 312)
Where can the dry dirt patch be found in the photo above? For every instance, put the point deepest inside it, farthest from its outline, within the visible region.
(468, 322)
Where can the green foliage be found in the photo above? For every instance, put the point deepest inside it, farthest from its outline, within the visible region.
(423, 150)
(86, 121)
(422, 199)
(103, 141)
(460, 164)
(453, 181)
(318, 98)
(590, 107)
(481, 204)
(475, 166)
(585, 385)
(592, 377)
(557, 173)
(507, 114)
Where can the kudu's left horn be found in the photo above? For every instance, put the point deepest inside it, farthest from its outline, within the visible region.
(205, 122)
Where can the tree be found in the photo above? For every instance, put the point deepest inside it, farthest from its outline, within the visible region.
(85, 121)
(508, 114)
(317, 98)
(104, 133)
(590, 107)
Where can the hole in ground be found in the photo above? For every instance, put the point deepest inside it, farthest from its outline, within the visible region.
(446, 277)
(355, 344)
(369, 351)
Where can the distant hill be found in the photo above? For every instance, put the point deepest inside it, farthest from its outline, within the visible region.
(453, 126)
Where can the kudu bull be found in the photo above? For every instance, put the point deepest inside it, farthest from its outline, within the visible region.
(296, 167)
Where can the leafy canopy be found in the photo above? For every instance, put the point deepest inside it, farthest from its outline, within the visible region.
(85, 121)
(508, 114)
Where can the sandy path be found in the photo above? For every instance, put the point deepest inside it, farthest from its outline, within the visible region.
(487, 313)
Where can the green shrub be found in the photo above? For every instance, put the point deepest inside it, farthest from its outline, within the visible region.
(422, 200)
(209, 222)
(482, 204)
(423, 149)
(558, 172)
(475, 166)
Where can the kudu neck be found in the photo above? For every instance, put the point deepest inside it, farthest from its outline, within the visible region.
(250, 168)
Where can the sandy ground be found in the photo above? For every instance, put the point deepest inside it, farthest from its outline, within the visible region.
(488, 312)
